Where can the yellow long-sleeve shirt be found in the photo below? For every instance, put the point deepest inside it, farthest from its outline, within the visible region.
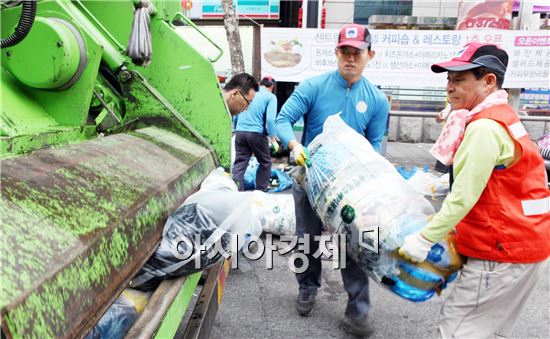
(486, 144)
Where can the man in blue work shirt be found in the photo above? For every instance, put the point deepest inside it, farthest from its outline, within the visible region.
(364, 108)
(251, 135)
(239, 92)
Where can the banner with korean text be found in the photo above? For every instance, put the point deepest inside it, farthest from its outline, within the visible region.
(403, 58)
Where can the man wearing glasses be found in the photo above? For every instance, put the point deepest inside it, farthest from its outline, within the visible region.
(239, 92)
(364, 108)
(251, 135)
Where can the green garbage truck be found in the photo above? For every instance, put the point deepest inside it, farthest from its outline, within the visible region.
(109, 120)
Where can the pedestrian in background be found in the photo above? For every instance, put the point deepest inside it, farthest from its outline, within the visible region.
(544, 146)
(253, 128)
(364, 108)
(499, 203)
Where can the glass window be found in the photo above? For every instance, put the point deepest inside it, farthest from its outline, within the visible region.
(365, 8)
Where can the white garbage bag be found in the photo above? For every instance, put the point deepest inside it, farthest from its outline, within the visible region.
(275, 212)
(429, 184)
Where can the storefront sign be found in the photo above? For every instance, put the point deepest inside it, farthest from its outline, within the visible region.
(254, 9)
(403, 58)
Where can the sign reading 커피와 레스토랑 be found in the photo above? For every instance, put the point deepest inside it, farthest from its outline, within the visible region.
(403, 58)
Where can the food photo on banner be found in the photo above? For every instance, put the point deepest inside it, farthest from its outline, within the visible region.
(476, 14)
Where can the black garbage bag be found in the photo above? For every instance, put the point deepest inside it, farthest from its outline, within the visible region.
(179, 254)
(277, 149)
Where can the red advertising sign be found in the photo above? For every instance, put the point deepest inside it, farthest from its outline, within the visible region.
(484, 14)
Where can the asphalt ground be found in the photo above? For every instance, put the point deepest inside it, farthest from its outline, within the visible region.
(259, 303)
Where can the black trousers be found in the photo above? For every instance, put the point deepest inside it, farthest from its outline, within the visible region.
(356, 282)
(246, 144)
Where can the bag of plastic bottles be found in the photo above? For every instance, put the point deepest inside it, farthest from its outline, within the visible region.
(357, 192)
(275, 212)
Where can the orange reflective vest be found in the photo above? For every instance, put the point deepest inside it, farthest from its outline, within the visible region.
(511, 220)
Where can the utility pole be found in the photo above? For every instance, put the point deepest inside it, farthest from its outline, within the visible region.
(312, 12)
(525, 10)
(233, 37)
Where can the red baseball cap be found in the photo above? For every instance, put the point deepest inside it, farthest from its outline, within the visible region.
(474, 55)
(354, 35)
(267, 81)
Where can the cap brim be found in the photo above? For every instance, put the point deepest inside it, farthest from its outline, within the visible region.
(453, 66)
(354, 43)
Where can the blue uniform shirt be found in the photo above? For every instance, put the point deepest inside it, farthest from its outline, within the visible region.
(252, 119)
(363, 106)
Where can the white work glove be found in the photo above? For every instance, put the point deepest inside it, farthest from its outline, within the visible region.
(415, 248)
(301, 156)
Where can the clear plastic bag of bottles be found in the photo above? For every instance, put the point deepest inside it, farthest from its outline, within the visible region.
(357, 192)
(209, 226)
(275, 212)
